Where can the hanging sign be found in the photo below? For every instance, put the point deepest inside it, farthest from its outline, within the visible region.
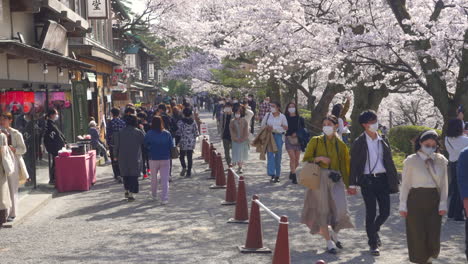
(97, 9)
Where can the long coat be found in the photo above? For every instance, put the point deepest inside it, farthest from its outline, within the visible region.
(188, 133)
(18, 143)
(5, 200)
(128, 146)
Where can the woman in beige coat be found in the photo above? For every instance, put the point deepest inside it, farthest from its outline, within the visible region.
(239, 129)
(20, 173)
(5, 199)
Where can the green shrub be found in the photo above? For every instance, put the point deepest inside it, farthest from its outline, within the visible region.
(402, 137)
(306, 114)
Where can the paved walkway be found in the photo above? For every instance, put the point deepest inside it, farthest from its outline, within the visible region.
(100, 227)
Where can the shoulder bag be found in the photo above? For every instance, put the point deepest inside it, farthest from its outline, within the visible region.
(310, 174)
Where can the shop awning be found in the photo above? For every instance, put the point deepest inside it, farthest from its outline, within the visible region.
(143, 85)
(166, 89)
(22, 50)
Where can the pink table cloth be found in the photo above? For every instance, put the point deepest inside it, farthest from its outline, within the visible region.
(73, 173)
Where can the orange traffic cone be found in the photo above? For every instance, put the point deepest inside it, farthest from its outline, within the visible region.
(203, 148)
(282, 254)
(241, 215)
(254, 241)
(231, 191)
(214, 165)
(219, 175)
(207, 151)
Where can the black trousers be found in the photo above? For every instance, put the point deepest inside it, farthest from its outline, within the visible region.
(189, 154)
(466, 238)
(52, 167)
(115, 164)
(376, 192)
(131, 184)
(455, 209)
(252, 125)
(145, 159)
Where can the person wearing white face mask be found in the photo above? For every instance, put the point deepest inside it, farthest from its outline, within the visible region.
(373, 169)
(239, 128)
(54, 140)
(226, 132)
(276, 123)
(325, 210)
(423, 197)
(293, 144)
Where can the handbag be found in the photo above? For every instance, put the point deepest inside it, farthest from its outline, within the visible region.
(174, 153)
(302, 135)
(293, 140)
(309, 176)
(8, 161)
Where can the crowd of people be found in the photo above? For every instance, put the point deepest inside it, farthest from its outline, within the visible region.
(146, 140)
(425, 195)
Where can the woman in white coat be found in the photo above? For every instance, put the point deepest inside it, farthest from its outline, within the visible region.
(5, 199)
(20, 173)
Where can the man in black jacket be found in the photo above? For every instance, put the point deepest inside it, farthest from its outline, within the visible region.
(373, 169)
(54, 140)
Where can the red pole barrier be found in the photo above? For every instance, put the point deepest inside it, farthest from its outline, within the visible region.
(219, 174)
(241, 215)
(231, 191)
(282, 254)
(254, 241)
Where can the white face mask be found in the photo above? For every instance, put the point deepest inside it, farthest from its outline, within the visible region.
(273, 109)
(328, 130)
(56, 117)
(238, 115)
(428, 150)
(235, 101)
(267, 101)
(374, 127)
(292, 110)
(227, 110)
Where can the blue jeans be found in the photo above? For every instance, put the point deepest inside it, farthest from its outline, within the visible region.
(274, 159)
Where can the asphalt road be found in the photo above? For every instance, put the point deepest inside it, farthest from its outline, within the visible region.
(99, 226)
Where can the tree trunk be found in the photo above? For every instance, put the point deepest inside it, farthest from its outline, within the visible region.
(275, 90)
(288, 96)
(365, 98)
(321, 110)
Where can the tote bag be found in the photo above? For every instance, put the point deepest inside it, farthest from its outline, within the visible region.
(310, 176)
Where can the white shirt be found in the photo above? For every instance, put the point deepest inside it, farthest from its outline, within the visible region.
(416, 175)
(248, 116)
(341, 128)
(455, 146)
(275, 122)
(375, 155)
